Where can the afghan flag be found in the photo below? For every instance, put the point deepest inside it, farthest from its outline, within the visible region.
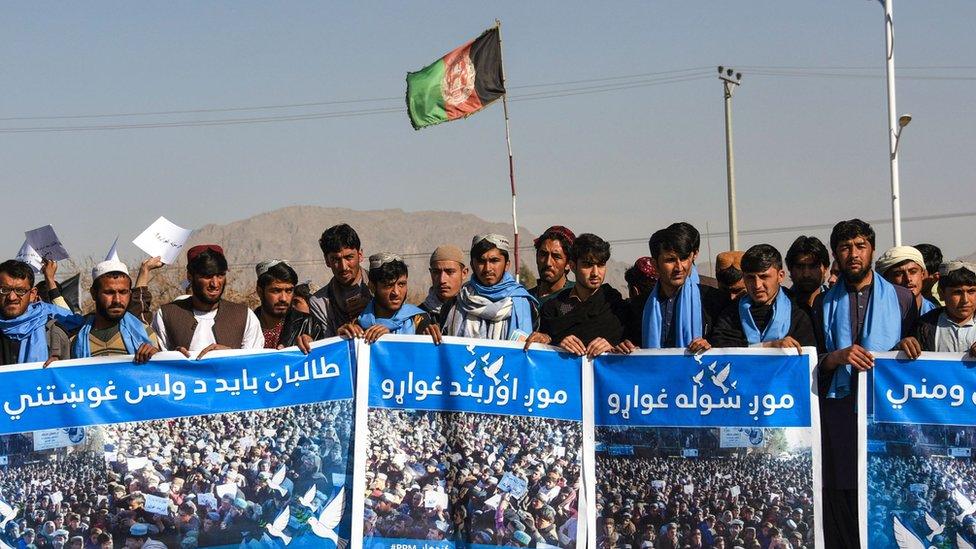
(459, 84)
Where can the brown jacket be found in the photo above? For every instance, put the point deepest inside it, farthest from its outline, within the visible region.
(228, 328)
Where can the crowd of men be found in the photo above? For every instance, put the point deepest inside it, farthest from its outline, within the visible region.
(215, 477)
(756, 501)
(449, 476)
(864, 301)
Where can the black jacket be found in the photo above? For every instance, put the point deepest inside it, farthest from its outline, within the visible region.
(295, 324)
(728, 330)
(602, 315)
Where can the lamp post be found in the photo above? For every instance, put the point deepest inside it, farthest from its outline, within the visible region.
(730, 80)
(895, 123)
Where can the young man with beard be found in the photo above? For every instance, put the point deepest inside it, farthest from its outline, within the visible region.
(552, 251)
(845, 341)
(765, 316)
(282, 324)
(447, 274)
(205, 321)
(387, 312)
(680, 311)
(492, 305)
(28, 329)
(587, 319)
(346, 295)
(111, 329)
(904, 266)
(809, 264)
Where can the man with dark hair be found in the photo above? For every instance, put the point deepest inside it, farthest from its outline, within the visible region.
(492, 305)
(680, 311)
(281, 323)
(552, 260)
(28, 332)
(809, 264)
(764, 316)
(862, 313)
(112, 329)
(346, 295)
(904, 266)
(205, 321)
(587, 319)
(933, 262)
(728, 273)
(951, 328)
(301, 297)
(641, 277)
(447, 274)
(388, 312)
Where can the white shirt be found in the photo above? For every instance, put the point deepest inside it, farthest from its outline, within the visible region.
(203, 335)
(954, 338)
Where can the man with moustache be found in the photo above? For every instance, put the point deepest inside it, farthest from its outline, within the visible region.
(205, 321)
(809, 264)
(447, 274)
(28, 330)
(282, 324)
(552, 260)
(861, 314)
(904, 266)
(346, 295)
(111, 329)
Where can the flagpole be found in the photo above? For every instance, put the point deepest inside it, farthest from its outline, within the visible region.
(511, 158)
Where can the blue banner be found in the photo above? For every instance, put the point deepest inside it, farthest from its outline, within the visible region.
(473, 444)
(239, 449)
(918, 434)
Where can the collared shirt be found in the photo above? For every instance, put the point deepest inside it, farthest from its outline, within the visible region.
(667, 318)
(954, 338)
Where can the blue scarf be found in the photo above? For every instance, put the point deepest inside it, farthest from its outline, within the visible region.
(927, 306)
(522, 300)
(882, 326)
(687, 314)
(400, 323)
(29, 330)
(778, 326)
(132, 329)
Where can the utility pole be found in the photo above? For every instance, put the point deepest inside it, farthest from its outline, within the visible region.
(730, 80)
(895, 123)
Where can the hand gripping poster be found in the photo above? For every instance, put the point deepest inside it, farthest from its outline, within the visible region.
(716, 450)
(470, 443)
(918, 478)
(239, 449)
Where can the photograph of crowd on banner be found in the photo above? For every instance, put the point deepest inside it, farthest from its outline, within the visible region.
(918, 436)
(718, 450)
(472, 444)
(249, 450)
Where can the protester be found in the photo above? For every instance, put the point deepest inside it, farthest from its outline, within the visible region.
(809, 264)
(301, 297)
(28, 330)
(282, 324)
(587, 318)
(952, 328)
(641, 277)
(933, 260)
(764, 316)
(904, 266)
(447, 274)
(206, 321)
(728, 273)
(680, 311)
(491, 305)
(552, 260)
(388, 312)
(346, 295)
(845, 342)
(111, 329)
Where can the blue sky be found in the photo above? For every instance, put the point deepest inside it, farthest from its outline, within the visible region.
(809, 150)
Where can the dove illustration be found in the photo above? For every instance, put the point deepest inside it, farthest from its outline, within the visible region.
(308, 500)
(470, 349)
(719, 378)
(492, 370)
(470, 368)
(904, 537)
(275, 481)
(697, 378)
(325, 524)
(8, 513)
(277, 527)
(712, 366)
(934, 526)
(484, 358)
(962, 501)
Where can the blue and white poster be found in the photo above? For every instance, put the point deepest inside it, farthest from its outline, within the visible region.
(919, 478)
(471, 443)
(704, 450)
(238, 449)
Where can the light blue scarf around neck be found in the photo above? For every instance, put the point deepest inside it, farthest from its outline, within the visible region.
(29, 329)
(687, 315)
(400, 323)
(132, 329)
(778, 326)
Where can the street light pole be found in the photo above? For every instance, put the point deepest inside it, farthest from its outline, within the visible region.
(730, 80)
(894, 130)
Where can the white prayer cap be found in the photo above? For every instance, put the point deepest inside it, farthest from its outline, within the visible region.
(109, 266)
(498, 240)
(896, 255)
(378, 260)
(265, 266)
(951, 266)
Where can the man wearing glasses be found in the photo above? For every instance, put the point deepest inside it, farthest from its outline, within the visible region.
(27, 331)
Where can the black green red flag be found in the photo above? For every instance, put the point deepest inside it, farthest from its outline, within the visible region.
(459, 84)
